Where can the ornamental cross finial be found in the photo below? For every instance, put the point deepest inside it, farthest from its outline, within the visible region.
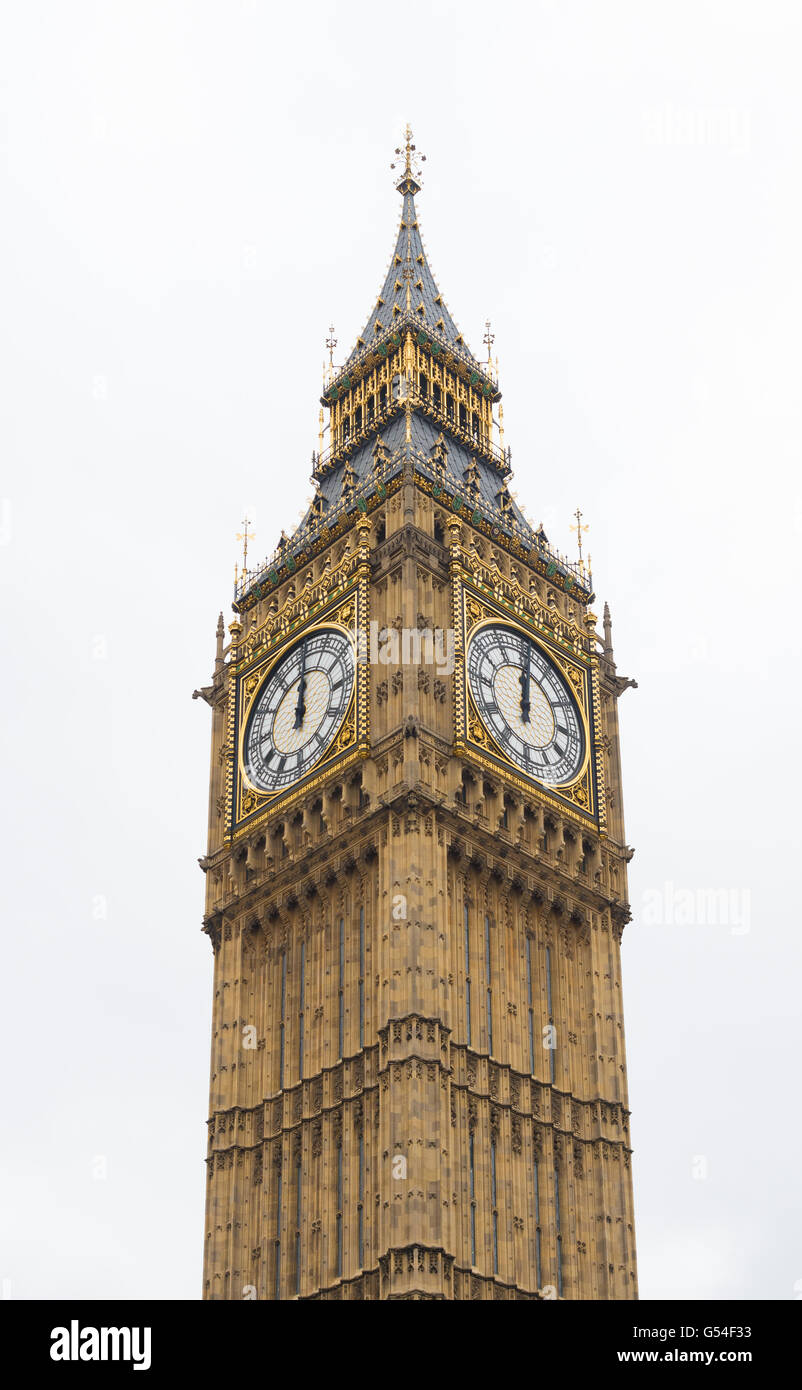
(331, 343)
(489, 340)
(410, 179)
(245, 535)
(579, 528)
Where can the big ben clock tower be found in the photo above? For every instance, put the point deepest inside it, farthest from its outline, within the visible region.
(416, 875)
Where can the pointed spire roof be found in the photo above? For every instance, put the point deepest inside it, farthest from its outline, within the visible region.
(410, 427)
(410, 294)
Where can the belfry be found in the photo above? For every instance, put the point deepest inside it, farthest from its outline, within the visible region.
(416, 872)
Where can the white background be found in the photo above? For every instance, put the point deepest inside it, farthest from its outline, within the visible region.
(194, 191)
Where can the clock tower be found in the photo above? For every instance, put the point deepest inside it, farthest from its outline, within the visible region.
(416, 874)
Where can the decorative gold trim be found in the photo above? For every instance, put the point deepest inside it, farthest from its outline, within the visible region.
(313, 601)
(526, 609)
(598, 761)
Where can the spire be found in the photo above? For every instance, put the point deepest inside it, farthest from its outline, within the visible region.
(220, 635)
(410, 294)
(608, 633)
(410, 401)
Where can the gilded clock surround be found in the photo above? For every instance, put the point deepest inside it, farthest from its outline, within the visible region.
(250, 691)
(340, 600)
(393, 933)
(584, 793)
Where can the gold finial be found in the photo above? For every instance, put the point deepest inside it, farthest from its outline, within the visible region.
(331, 343)
(579, 528)
(489, 340)
(245, 535)
(409, 182)
(501, 426)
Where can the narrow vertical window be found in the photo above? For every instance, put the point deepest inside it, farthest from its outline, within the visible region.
(473, 1200)
(341, 992)
(277, 1289)
(559, 1232)
(361, 978)
(283, 989)
(467, 976)
(552, 1038)
(493, 1204)
(489, 988)
(530, 1002)
(538, 1275)
(361, 1204)
(298, 1193)
(301, 1014)
(339, 1209)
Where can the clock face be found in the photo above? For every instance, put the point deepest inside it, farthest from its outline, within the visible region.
(526, 705)
(298, 710)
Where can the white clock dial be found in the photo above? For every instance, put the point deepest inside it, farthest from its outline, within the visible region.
(299, 710)
(526, 705)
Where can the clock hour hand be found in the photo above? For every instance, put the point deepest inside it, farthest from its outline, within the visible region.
(300, 708)
(525, 674)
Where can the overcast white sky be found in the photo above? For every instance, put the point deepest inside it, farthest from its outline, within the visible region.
(193, 192)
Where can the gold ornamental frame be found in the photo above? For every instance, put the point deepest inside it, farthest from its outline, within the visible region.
(248, 806)
(583, 796)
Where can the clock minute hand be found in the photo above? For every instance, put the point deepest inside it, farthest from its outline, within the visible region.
(525, 675)
(300, 708)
